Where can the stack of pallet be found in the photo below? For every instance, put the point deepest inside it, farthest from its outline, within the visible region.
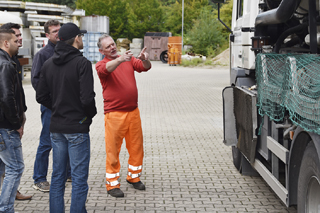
(122, 45)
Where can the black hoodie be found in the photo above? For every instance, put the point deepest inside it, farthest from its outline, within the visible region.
(66, 87)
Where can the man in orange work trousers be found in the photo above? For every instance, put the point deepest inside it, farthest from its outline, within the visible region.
(122, 116)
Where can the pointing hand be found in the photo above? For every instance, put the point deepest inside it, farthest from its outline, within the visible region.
(126, 56)
(143, 54)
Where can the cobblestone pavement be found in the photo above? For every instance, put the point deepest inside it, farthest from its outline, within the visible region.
(186, 166)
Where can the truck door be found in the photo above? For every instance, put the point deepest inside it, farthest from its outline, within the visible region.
(243, 22)
(236, 46)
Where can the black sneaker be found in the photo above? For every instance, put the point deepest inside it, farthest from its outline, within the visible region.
(116, 192)
(138, 185)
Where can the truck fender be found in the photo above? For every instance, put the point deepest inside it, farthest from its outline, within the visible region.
(299, 143)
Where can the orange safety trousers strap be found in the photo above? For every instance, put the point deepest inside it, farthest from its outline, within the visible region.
(119, 125)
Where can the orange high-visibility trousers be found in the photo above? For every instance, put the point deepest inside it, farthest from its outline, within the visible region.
(119, 125)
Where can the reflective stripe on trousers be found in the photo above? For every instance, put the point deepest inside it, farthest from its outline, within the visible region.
(134, 172)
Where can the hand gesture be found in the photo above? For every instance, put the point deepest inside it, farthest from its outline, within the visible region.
(143, 54)
(126, 56)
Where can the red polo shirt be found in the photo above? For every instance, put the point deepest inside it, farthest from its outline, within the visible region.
(120, 91)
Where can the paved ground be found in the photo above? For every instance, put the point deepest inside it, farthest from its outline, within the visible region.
(186, 166)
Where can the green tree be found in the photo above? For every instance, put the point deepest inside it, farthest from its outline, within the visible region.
(225, 15)
(173, 15)
(167, 2)
(172, 19)
(116, 10)
(127, 19)
(144, 16)
(133, 18)
(205, 36)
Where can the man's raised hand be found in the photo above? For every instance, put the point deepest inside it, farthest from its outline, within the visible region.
(126, 56)
(143, 54)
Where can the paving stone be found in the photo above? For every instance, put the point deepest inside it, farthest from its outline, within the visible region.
(187, 168)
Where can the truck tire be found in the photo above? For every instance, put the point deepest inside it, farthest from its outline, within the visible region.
(309, 181)
(236, 157)
(164, 56)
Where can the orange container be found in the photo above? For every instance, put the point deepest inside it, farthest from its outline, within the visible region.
(175, 50)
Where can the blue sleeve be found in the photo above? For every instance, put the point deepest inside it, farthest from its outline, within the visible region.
(43, 95)
(37, 63)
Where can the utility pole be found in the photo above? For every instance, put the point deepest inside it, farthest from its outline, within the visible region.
(182, 24)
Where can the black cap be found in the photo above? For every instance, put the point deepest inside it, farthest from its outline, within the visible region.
(68, 31)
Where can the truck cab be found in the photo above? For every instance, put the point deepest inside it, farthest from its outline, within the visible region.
(271, 106)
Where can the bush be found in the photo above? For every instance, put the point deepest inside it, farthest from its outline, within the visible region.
(205, 36)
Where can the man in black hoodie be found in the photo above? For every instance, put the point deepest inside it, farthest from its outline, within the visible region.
(40, 169)
(66, 87)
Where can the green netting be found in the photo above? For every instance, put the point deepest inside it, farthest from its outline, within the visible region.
(290, 82)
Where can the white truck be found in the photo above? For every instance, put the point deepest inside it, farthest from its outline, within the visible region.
(271, 107)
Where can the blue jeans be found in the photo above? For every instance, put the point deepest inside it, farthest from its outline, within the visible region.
(41, 162)
(11, 156)
(76, 147)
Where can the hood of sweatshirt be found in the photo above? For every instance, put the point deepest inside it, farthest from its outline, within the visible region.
(63, 53)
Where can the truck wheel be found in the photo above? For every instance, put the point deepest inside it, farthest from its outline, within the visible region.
(309, 181)
(164, 56)
(236, 156)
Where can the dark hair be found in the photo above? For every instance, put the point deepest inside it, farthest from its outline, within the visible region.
(5, 34)
(70, 41)
(50, 23)
(10, 25)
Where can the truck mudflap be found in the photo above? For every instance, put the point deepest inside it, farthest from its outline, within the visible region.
(229, 120)
(240, 120)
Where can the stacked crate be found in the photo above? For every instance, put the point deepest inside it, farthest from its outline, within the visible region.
(136, 46)
(90, 48)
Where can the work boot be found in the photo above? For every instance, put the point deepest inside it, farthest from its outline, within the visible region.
(138, 185)
(116, 192)
(20, 196)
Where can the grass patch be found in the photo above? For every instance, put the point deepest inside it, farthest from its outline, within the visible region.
(191, 63)
(208, 62)
(196, 62)
(212, 53)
